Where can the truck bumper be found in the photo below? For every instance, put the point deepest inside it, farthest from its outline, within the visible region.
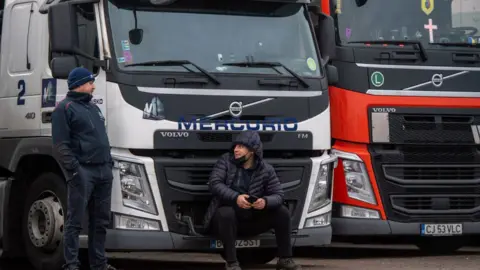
(369, 227)
(125, 240)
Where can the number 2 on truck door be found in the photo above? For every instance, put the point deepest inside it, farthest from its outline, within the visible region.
(21, 88)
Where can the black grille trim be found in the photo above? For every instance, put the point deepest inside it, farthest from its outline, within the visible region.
(436, 204)
(195, 178)
(419, 155)
(432, 174)
(183, 187)
(447, 129)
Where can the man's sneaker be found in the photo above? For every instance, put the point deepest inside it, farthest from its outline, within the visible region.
(232, 266)
(287, 264)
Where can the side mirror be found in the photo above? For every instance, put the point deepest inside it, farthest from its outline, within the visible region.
(332, 74)
(325, 32)
(360, 2)
(63, 33)
(62, 28)
(62, 65)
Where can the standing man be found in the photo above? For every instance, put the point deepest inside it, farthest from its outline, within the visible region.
(83, 149)
(248, 200)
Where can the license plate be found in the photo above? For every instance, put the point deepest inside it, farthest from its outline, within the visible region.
(238, 243)
(441, 229)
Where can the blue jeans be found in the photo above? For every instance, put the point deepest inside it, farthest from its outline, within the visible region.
(90, 188)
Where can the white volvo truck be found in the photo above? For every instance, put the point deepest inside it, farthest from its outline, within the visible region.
(175, 81)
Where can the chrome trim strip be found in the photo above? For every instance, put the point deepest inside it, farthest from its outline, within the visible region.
(418, 67)
(385, 92)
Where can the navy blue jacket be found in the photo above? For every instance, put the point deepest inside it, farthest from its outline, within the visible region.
(226, 176)
(78, 132)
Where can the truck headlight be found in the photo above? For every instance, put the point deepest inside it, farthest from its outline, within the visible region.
(136, 191)
(356, 177)
(320, 194)
(358, 182)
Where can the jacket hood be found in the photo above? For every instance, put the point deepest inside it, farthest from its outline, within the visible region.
(250, 139)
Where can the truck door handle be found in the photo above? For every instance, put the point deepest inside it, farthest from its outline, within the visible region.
(466, 57)
(47, 117)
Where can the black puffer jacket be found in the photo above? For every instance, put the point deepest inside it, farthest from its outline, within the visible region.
(264, 183)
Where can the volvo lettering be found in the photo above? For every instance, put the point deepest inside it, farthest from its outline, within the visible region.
(175, 134)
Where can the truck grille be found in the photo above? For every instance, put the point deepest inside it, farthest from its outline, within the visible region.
(455, 129)
(417, 183)
(436, 204)
(183, 185)
(432, 173)
(195, 178)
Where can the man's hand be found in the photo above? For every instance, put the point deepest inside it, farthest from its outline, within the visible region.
(242, 201)
(259, 204)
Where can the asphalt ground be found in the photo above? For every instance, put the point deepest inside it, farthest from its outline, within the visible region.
(338, 258)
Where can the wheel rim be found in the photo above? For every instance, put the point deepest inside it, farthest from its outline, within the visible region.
(45, 222)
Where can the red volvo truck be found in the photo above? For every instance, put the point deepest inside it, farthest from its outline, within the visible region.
(405, 122)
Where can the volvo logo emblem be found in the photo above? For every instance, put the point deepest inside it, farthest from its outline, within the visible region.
(236, 109)
(437, 80)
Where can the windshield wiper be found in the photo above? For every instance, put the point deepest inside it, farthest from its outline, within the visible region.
(456, 44)
(177, 63)
(269, 64)
(423, 53)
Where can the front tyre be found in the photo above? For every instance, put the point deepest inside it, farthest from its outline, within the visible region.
(43, 222)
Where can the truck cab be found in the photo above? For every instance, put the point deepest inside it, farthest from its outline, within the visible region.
(405, 116)
(175, 81)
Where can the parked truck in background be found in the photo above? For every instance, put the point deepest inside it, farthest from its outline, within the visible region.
(175, 81)
(405, 122)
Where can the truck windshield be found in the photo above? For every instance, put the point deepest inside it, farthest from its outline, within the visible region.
(428, 21)
(211, 33)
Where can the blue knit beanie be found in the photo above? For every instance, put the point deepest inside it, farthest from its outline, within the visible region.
(78, 77)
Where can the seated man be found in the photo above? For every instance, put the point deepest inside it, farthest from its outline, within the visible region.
(237, 176)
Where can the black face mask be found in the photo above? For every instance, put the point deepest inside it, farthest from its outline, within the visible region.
(241, 160)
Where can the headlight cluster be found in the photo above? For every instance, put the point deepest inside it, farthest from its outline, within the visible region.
(136, 192)
(358, 182)
(359, 186)
(320, 195)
